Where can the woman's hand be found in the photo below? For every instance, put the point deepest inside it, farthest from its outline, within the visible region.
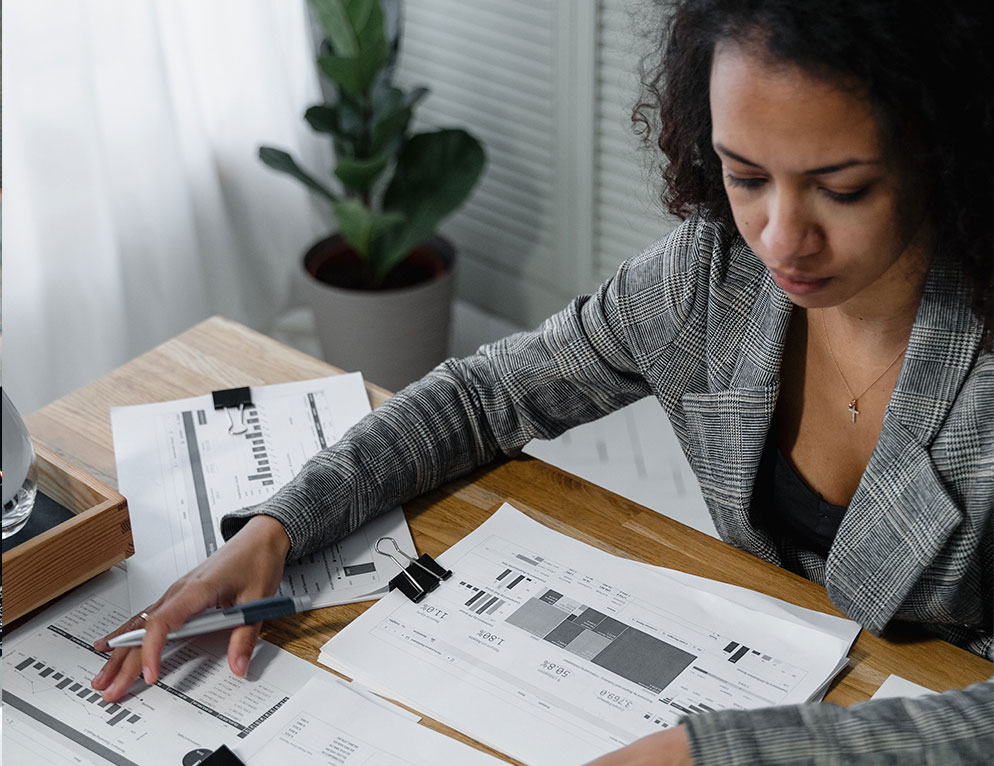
(665, 748)
(248, 566)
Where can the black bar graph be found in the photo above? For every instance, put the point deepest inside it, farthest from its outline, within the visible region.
(486, 605)
(80, 691)
(739, 654)
(315, 416)
(481, 601)
(354, 570)
(260, 456)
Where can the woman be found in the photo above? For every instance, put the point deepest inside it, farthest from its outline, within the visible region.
(818, 330)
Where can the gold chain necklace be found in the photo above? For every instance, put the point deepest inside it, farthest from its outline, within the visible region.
(853, 412)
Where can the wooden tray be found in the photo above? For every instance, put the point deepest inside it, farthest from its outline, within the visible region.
(60, 558)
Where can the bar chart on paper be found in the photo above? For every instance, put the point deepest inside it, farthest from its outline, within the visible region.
(196, 704)
(183, 465)
(554, 652)
(42, 678)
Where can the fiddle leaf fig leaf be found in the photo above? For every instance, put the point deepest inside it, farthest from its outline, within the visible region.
(323, 118)
(334, 20)
(344, 72)
(277, 159)
(360, 174)
(360, 226)
(374, 52)
(337, 120)
(435, 174)
(392, 116)
(361, 15)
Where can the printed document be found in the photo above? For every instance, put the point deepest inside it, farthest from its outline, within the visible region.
(182, 470)
(328, 724)
(53, 716)
(555, 652)
(896, 686)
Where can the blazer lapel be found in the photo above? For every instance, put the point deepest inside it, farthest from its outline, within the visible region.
(727, 425)
(901, 514)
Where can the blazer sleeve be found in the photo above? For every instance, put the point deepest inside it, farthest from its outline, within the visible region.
(955, 727)
(576, 367)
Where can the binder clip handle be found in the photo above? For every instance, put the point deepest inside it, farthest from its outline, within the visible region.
(229, 398)
(418, 578)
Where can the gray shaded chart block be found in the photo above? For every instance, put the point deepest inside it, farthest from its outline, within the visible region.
(537, 617)
(643, 659)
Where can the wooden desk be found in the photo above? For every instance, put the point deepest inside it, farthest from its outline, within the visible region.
(219, 353)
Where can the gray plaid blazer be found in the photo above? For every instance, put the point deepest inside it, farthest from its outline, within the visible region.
(697, 322)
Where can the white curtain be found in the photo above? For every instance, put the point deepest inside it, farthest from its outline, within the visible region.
(134, 203)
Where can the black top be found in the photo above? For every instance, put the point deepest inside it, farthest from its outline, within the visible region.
(786, 506)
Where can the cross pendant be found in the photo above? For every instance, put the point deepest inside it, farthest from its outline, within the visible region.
(852, 410)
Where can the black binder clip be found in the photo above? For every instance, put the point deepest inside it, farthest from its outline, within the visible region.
(418, 578)
(230, 398)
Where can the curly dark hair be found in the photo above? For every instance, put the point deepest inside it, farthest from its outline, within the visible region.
(928, 69)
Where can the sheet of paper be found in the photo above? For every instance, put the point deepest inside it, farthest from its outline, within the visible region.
(844, 629)
(197, 705)
(895, 686)
(328, 724)
(181, 471)
(555, 652)
(27, 743)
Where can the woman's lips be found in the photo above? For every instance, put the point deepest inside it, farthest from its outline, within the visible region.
(798, 284)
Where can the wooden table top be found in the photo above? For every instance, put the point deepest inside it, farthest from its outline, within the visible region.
(219, 353)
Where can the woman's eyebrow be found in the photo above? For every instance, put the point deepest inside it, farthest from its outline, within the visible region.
(820, 171)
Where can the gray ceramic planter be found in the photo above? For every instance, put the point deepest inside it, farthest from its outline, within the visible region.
(392, 336)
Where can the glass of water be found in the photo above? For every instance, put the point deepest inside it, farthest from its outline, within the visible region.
(18, 471)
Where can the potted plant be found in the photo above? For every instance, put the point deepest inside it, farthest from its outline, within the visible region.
(381, 286)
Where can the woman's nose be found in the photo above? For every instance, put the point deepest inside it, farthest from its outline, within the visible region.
(789, 231)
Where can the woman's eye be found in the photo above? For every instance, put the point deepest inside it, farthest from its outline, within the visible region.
(846, 198)
(744, 182)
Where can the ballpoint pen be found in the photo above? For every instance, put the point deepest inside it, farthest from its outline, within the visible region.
(219, 619)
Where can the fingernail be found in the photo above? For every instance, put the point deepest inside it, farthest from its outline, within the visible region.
(241, 665)
(97, 678)
(147, 675)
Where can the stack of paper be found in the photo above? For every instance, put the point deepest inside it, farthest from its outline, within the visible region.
(53, 716)
(329, 724)
(554, 652)
(182, 469)
(286, 711)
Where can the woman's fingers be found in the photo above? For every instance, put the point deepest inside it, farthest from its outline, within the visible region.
(123, 666)
(110, 669)
(136, 622)
(248, 566)
(240, 647)
(180, 602)
(124, 672)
